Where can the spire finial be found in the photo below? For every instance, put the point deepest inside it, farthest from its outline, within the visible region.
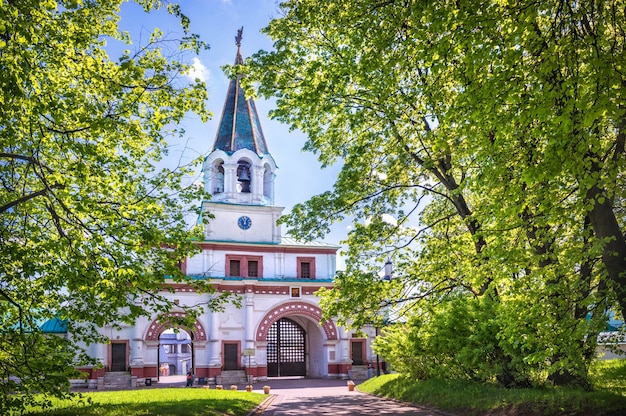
(238, 58)
(239, 37)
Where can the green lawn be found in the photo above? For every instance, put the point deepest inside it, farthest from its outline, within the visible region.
(157, 402)
(469, 398)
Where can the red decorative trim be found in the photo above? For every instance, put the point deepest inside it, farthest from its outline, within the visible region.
(270, 248)
(137, 372)
(294, 308)
(256, 371)
(338, 369)
(255, 288)
(150, 371)
(92, 373)
(155, 329)
(310, 290)
(202, 372)
(214, 371)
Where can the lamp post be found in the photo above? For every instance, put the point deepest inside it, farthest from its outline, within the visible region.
(386, 277)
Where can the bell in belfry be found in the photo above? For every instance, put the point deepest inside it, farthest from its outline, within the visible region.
(244, 178)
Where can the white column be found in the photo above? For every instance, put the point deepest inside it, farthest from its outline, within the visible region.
(230, 180)
(249, 302)
(257, 183)
(208, 179)
(136, 344)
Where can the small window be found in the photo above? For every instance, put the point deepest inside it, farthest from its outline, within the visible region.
(253, 268)
(184, 348)
(244, 266)
(306, 267)
(234, 268)
(295, 292)
(305, 270)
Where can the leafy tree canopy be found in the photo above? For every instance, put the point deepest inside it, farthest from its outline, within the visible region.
(482, 145)
(91, 223)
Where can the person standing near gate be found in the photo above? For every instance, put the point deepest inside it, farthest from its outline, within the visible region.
(189, 378)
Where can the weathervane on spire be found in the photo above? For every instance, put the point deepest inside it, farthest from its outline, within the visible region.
(239, 37)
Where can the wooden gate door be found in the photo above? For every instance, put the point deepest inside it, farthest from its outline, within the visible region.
(286, 349)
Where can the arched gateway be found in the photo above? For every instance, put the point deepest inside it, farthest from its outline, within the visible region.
(296, 343)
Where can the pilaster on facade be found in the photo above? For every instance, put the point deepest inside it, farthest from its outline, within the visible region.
(279, 264)
(276, 231)
(250, 323)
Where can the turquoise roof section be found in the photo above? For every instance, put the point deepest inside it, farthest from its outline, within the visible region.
(240, 127)
(54, 326)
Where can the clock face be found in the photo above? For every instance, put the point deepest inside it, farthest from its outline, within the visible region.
(244, 222)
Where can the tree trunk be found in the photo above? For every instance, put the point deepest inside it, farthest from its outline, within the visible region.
(605, 227)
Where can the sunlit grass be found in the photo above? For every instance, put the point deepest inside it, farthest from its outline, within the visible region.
(610, 375)
(470, 398)
(157, 402)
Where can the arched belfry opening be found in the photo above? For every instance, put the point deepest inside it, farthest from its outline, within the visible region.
(218, 177)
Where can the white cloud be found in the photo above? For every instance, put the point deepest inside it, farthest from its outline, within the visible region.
(389, 219)
(380, 175)
(385, 218)
(198, 71)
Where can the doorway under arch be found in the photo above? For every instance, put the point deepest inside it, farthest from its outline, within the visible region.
(175, 354)
(286, 349)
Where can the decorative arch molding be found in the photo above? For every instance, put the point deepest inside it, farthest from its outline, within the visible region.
(155, 329)
(294, 308)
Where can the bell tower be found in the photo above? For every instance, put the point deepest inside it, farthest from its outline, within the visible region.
(239, 172)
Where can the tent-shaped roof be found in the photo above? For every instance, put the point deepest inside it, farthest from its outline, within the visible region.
(239, 126)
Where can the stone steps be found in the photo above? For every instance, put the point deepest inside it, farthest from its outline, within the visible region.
(231, 377)
(114, 380)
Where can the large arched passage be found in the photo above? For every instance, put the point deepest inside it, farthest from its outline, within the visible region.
(286, 349)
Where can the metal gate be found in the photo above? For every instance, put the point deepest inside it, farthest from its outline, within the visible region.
(286, 349)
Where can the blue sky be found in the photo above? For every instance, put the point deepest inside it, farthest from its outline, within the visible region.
(216, 21)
